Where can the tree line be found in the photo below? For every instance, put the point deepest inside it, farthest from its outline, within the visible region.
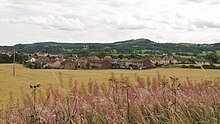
(123, 47)
(19, 58)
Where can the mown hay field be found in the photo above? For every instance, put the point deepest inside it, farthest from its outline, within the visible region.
(25, 77)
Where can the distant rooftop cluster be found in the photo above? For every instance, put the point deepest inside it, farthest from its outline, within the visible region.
(59, 61)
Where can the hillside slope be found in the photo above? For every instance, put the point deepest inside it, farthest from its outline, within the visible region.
(121, 47)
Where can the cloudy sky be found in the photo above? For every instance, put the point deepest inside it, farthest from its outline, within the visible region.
(28, 21)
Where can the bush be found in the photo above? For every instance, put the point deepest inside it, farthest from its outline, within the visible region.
(29, 65)
(115, 66)
(210, 67)
(33, 65)
(184, 66)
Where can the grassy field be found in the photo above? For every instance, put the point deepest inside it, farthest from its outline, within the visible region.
(25, 77)
(109, 98)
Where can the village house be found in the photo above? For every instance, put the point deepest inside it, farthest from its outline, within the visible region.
(182, 60)
(115, 61)
(43, 61)
(155, 60)
(172, 59)
(41, 54)
(203, 61)
(69, 64)
(82, 63)
(140, 64)
(38, 59)
(33, 59)
(71, 58)
(61, 56)
(163, 61)
(109, 58)
(99, 64)
(7, 52)
(158, 61)
(93, 58)
(54, 64)
(123, 63)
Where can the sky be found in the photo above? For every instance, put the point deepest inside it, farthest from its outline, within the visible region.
(104, 21)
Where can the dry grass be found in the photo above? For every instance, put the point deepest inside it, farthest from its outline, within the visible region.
(25, 77)
(118, 100)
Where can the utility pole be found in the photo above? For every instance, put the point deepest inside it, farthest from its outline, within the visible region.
(14, 63)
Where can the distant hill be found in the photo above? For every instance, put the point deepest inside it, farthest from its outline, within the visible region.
(134, 46)
(137, 41)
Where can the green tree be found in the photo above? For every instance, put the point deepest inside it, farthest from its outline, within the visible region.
(121, 56)
(102, 54)
(213, 57)
(5, 59)
(83, 53)
(20, 58)
(92, 54)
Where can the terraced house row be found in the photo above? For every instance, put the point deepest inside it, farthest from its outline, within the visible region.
(91, 62)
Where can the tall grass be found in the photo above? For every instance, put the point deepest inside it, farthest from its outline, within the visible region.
(151, 101)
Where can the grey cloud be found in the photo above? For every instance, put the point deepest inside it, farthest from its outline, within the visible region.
(50, 21)
(58, 22)
(212, 2)
(206, 24)
(35, 2)
(126, 24)
(121, 3)
(215, 2)
(123, 22)
(196, 1)
(6, 20)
